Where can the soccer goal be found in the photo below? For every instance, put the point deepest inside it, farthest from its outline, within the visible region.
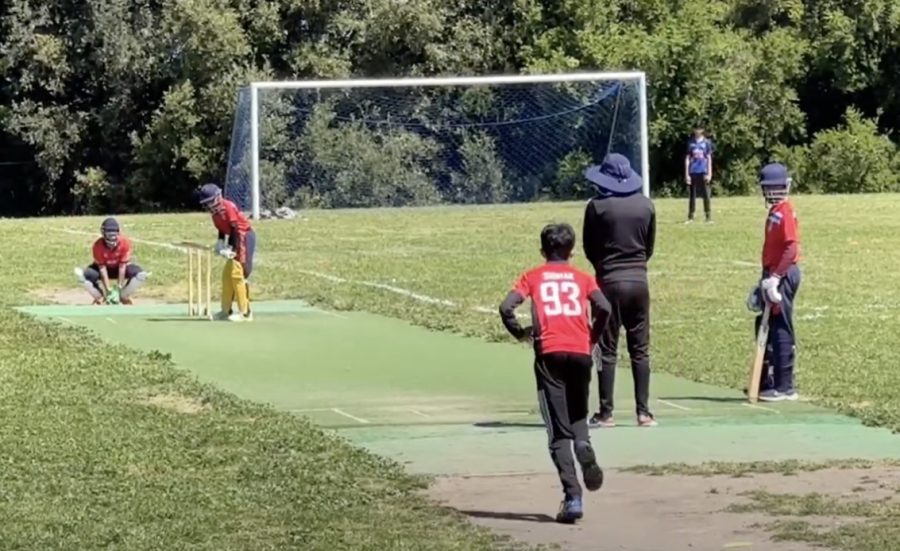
(417, 141)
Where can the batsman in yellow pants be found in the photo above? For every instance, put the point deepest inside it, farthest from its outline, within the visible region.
(236, 243)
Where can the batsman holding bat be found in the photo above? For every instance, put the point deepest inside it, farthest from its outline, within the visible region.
(236, 243)
(779, 285)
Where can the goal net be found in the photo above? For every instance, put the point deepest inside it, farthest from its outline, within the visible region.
(404, 142)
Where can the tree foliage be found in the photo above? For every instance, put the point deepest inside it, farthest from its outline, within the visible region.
(127, 105)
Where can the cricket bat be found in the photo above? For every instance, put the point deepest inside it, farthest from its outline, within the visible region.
(756, 367)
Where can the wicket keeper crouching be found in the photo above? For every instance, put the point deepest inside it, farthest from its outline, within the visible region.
(562, 300)
(237, 243)
(112, 255)
(779, 285)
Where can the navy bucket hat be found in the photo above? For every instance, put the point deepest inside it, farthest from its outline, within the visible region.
(614, 176)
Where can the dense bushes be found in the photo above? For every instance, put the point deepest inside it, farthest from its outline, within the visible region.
(120, 105)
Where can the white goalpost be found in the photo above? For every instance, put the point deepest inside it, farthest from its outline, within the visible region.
(408, 141)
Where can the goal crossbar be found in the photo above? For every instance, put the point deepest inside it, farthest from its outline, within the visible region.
(639, 76)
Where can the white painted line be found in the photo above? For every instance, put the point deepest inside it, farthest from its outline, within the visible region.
(764, 408)
(323, 312)
(310, 410)
(746, 263)
(135, 239)
(419, 413)
(382, 286)
(67, 320)
(348, 416)
(673, 404)
(112, 321)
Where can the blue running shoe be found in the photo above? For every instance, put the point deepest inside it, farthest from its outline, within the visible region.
(570, 510)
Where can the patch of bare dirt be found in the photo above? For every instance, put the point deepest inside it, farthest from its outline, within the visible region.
(77, 297)
(634, 512)
(178, 403)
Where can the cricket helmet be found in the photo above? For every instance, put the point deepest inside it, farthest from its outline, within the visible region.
(209, 196)
(775, 182)
(109, 229)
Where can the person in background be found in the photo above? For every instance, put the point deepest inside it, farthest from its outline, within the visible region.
(698, 169)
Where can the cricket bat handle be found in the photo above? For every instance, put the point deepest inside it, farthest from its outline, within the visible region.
(756, 368)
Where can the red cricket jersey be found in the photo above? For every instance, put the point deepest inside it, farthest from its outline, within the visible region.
(560, 306)
(227, 215)
(112, 258)
(781, 231)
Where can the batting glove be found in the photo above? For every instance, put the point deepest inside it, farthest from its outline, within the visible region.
(227, 253)
(220, 246)
(754, 303)
(770, 288)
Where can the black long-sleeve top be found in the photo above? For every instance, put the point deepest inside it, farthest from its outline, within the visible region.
(619, 235)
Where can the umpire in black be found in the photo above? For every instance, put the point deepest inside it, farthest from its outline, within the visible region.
(618, 238)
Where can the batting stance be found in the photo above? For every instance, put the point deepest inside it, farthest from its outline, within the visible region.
(779, 285)
(619, 237)
(113, 261)
(562, 334)
(236, 243)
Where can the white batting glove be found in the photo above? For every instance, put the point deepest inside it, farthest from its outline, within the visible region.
(219, 246)
(754, 304)
(227, 253)
(770, 288)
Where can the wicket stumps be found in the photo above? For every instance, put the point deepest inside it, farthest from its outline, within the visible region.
(199, 273)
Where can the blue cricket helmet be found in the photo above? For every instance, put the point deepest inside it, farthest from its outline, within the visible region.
(775, 182)
(109, 229)
(208, 193)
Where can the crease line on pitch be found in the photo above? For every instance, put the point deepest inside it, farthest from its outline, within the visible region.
(673, 404)
(349, 416)
(763, 408)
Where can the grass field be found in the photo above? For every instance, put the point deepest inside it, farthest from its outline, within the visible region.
(88, 463)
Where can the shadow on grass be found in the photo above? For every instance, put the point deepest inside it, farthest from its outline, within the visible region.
(525, 517)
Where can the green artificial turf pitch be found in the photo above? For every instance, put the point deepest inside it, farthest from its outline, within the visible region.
(435, 401)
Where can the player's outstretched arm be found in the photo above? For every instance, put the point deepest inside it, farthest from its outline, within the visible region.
(508, 315)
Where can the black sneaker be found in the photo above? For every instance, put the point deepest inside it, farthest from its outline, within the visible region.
(602, 421)
(590, 470)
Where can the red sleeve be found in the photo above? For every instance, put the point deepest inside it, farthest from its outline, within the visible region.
(124, 251)
(97, 253)
(590, 284)
(789, 226)
(787, 258)
(523, 286)
(790, 240)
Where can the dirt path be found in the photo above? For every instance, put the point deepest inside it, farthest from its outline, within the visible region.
(78, 297)
(648, 513)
